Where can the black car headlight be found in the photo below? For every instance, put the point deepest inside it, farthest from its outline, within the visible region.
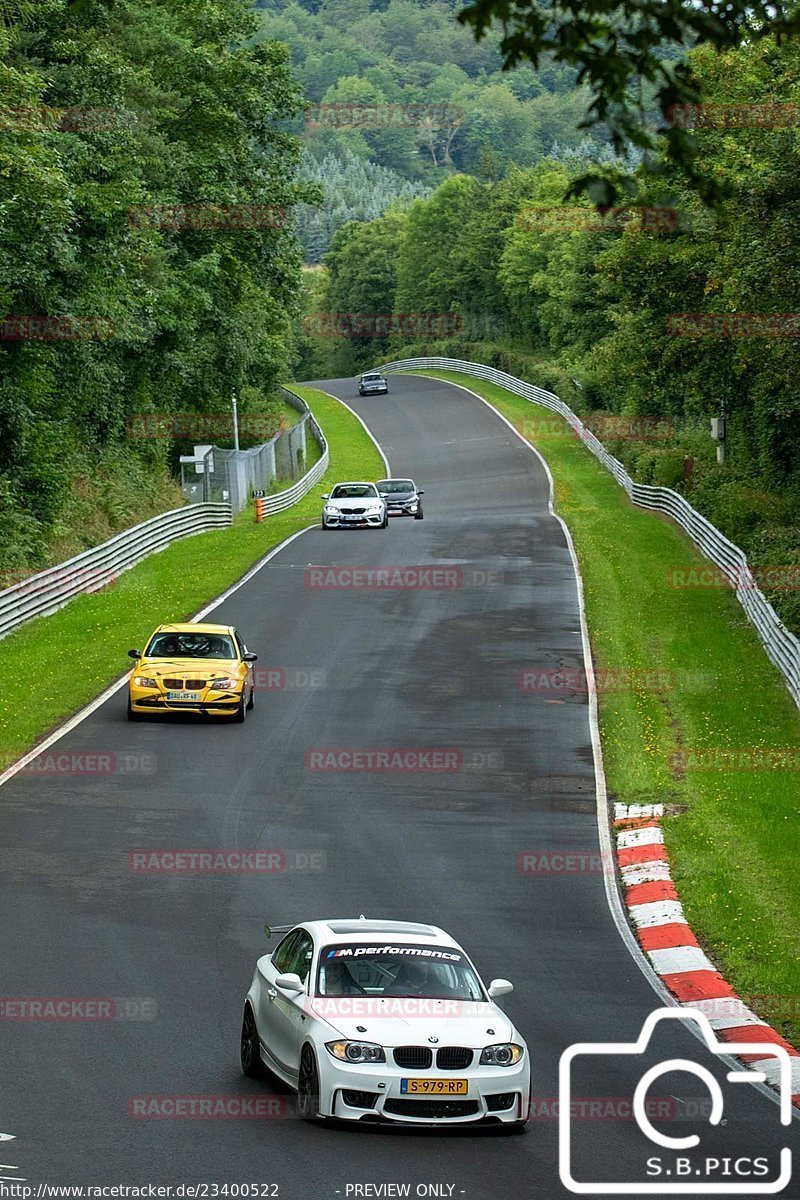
(506, 1054)
(356, 1052)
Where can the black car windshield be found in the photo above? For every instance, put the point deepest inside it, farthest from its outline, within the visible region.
(352, 491)
(430, 972)
(190, 645)
(372, 379)
(390, 486)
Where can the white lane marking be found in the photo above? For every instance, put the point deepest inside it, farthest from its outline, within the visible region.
(657, 912)
(362, 422)
(80, 716)
(8, 1137)
(675, 960)
(640, 837)
(607, 856)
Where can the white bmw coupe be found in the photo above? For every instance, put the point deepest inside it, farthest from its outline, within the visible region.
(385, 1021)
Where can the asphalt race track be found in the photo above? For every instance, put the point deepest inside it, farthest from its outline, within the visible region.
(416, 667)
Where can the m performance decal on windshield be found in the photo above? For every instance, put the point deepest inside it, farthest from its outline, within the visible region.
(410, 951)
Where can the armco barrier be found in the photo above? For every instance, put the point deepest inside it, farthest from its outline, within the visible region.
(782, 646)
(97, 568)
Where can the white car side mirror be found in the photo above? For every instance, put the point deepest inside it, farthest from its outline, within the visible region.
(289, 982)
(326, 495)
(500, 987)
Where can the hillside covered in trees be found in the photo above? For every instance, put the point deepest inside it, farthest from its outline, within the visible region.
(593, 311)
(113, 114)
(412, 59)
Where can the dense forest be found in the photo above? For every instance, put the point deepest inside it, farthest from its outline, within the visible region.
(112, 114)
(439, 102)
(588, 308)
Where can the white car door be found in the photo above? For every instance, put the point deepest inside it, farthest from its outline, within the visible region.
(283, 1013)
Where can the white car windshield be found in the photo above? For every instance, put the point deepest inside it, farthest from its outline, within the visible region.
(354, 491)
(432, 972)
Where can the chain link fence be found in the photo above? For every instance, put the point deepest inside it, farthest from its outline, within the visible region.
(232, 476)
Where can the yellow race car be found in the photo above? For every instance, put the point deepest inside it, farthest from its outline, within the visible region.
(204, 669)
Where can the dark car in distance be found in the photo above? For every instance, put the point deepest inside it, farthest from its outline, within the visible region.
(402, 498)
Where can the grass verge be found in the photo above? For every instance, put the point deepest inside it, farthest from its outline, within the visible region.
(53, 666)
(734, 850)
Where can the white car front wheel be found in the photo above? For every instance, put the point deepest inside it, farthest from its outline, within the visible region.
(308, 1086)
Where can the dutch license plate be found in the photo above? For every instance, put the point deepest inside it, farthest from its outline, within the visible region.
(186, 696)
(434, 1087)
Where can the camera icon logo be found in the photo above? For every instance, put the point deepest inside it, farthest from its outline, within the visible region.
(693, 1184)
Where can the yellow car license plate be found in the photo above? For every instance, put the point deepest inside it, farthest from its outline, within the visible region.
(434, 1087)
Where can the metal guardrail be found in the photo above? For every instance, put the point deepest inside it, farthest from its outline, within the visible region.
(780, 644)
(285, 499)
(96, 569)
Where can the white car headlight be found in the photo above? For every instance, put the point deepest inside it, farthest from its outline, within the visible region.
(356, 1052)
(373, 509)
(506, 1054)
(331, 510)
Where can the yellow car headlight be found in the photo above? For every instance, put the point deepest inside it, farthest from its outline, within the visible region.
(145, 681)
(224, 685)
